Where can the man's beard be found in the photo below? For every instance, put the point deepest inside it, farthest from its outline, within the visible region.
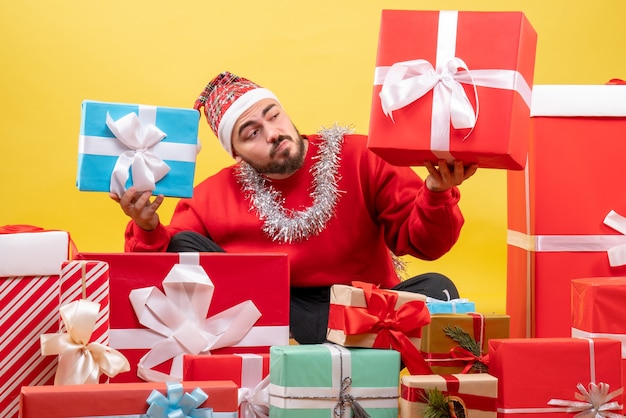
(289, 164)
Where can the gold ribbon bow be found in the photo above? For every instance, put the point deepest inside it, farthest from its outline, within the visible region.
(79, 360)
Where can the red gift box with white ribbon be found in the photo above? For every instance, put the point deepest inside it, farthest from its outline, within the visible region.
(249, 372)
(550, 376)
(453, 85)
(560, 226)
(598, 310)
(166, 305)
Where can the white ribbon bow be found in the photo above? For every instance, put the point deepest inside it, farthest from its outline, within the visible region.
(79, 360)
(592, 403)
(407, 81)
(255, 402)
(179, 316)
(147, 167)
(617, 254)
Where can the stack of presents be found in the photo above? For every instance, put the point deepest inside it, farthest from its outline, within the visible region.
(206, 335)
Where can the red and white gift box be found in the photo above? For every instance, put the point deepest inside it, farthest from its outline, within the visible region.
(545, 376)
(453, 85)
(178, 321)
(82, 279)
(248, 371)
(558, 225)
(598, 310)
(30, 264)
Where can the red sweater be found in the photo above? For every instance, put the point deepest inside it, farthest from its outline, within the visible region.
(380, 208)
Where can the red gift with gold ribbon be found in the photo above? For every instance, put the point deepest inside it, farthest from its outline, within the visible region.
(476, 394)
(362, 315)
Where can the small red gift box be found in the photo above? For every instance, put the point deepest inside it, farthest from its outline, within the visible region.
(239, 280)
(117, 399)
(598, 309)
(248, 371)
(557, 234)
(30, 264)
(541, 375)
(453, 85)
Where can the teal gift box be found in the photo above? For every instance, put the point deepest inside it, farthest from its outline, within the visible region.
(323, 380)
(151, 147)
(450, 306)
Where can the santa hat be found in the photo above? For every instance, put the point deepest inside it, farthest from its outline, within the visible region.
(224, 99)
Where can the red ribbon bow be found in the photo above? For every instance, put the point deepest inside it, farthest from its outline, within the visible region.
(392, 326)
(460, 353)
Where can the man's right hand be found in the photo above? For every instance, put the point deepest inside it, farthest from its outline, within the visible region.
(138, 206)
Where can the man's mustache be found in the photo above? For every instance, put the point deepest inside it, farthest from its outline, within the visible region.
(277, 143)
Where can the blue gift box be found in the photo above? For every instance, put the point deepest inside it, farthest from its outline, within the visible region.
(450, 307)
(152, 147)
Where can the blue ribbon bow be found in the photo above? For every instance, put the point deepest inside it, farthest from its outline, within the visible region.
(177, 403)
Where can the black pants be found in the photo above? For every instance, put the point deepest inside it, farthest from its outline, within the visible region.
(309, 305)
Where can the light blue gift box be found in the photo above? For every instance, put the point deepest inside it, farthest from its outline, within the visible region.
(311, 381)
(449, 307)
(100, 150)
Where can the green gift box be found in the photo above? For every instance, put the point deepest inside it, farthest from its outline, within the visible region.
(324, 380)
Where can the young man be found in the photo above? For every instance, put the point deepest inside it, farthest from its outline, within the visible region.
(340, 212)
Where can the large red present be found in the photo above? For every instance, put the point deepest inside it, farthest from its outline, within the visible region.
(598, 310)
(453, 85)
(556, 222)
(543, 376)
(248, 371)
(206, 309)
(30, 264)
(130, 399)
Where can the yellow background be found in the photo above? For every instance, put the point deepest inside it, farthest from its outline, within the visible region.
(317, 56)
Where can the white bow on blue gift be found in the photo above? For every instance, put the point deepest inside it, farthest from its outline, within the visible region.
(147, 168)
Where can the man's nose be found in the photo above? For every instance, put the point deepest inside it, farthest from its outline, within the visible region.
(272, 134)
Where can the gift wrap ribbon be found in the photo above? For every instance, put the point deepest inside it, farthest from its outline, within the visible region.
(594, 402)
(406, 81)
(139, 147)
(253, 395)
(392, 327)
(614, 245)
(340, 396)
(177, 322)
(79, 360)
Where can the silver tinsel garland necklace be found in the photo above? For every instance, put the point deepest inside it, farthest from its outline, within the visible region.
(285, 225)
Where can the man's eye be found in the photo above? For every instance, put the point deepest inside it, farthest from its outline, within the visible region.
(253, 133)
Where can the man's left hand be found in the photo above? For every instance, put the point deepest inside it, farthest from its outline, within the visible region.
(445, 177)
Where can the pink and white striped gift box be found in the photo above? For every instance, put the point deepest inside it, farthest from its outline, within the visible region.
(29, 306)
